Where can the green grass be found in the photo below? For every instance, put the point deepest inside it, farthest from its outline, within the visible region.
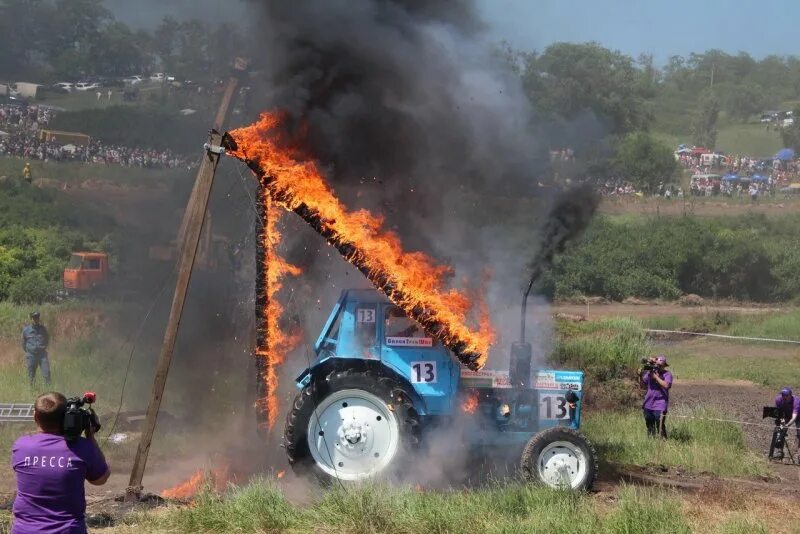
(696, 445)
(605, 349)
(5, 522)
(72, 173)
(13, 316)
(742, 526)
(646, 510)
(80, 100)
(772, 325)
(770, 370)
(751, 139)
(261, 507)
(748, 139)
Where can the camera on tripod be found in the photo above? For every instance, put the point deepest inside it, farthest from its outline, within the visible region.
(79, 416)
(778, 434)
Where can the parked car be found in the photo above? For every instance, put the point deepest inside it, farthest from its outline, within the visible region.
(66, 86)
(157, 77)
(134, 80)
(86, 86)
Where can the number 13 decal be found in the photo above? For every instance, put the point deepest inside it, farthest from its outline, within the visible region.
(366, 315)
(553, 407)
(423, 372)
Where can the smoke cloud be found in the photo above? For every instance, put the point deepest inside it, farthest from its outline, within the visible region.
(413, 114)
(402, 98)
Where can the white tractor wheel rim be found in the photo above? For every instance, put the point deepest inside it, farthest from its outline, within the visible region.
(353, 435)
(562, 464)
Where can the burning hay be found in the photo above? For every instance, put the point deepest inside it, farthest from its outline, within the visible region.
(272, 343)
(217, 479)
(410, 279)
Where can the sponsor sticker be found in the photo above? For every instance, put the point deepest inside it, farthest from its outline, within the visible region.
(409, 341)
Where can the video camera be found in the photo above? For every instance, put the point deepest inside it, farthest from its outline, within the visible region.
(79, 417)
(771, 412)
(649, 365)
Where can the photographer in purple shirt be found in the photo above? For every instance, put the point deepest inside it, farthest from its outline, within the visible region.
(51, 471)
(658, 382)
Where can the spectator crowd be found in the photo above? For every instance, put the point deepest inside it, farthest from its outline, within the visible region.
(21, 124)
(714, 174)
(739, 176)
(29, 118)
(29, 147)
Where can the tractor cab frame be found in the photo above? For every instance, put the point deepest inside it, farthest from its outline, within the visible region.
(392, 384)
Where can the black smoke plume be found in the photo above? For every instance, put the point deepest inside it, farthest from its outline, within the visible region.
(403, 98)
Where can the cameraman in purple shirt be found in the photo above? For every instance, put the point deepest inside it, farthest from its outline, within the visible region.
(658, 382)
(50, 473)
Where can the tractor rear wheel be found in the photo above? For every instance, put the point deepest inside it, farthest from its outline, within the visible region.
(560, 457)
(350, 426)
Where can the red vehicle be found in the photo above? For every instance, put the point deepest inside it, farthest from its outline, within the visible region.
(86, 271)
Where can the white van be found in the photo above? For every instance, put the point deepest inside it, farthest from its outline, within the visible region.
(712, 160)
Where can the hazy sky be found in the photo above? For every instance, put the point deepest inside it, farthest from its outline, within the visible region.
(660, 27)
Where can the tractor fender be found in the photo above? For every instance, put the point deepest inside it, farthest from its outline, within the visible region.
(324, 367)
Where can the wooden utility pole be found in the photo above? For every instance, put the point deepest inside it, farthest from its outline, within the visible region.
(191, 228)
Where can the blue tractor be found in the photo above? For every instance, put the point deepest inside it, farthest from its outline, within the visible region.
(379, 385)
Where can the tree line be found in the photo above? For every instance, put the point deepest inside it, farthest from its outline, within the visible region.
(580, 88)
(600, 102)
(66, 40)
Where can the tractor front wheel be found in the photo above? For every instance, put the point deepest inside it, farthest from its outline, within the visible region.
(351, 426)
(560, 457)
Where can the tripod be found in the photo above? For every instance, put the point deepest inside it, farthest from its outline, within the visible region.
(778, 442)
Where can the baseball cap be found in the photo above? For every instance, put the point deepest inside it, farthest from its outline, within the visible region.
(786, 392)
(662, 360)
(34, 314)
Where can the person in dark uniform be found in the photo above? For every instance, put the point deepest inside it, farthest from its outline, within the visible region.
(35, 340)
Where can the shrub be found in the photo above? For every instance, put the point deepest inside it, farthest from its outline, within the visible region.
(32, 288)
(748, 257)
(605, 350)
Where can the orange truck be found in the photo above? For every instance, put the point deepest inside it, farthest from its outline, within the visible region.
(86, 271)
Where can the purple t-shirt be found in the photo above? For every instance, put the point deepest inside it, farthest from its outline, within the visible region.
(50, 474)
(792, 404)
(657, 397)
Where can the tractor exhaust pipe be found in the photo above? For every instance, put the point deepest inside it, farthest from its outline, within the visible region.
(519, 371)
(570, 215)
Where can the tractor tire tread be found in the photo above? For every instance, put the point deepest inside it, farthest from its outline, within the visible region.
(534, 446)
(295, 438)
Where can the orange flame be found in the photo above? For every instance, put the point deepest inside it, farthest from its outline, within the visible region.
(279, 343)
(281, 474)
(186, 490)
(297, 183)
(470, 404)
